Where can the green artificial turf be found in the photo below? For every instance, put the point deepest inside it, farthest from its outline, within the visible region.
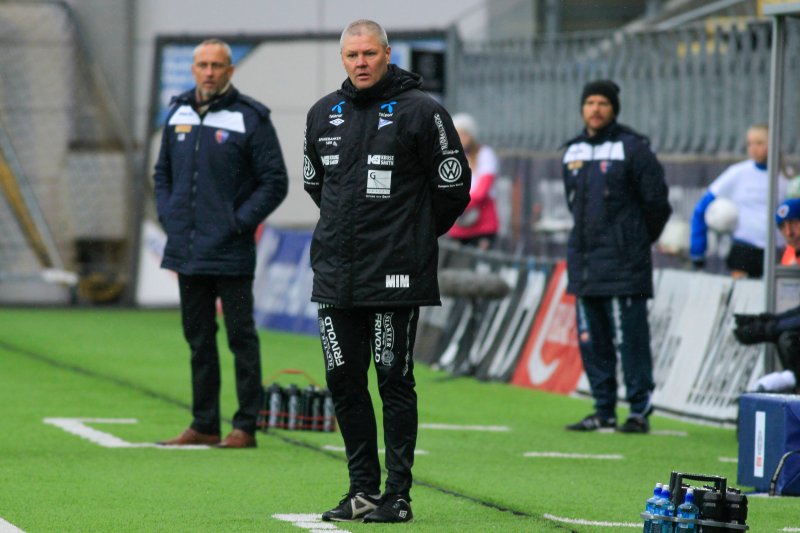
(121, 364)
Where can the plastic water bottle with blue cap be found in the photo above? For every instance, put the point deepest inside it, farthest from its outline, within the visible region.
(664, 509)
(650, 508)
(688, 512)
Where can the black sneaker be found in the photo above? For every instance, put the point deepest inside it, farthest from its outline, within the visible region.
(635, 424)
(593, 422)
(352, 507)
(394, 509)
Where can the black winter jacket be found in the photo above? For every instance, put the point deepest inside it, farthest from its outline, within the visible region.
(217, 177)
(387, 170)
(618, 198)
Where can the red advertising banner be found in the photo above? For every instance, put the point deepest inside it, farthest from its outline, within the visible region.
(551, 359)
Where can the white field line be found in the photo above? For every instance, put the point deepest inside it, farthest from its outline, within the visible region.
(332, 448)
(562, 455)
(77, 426)
(791, 529)
(669, 433)
(8, 527)
(455, 427)
(312, 522)
(728, 459)
(582, 522)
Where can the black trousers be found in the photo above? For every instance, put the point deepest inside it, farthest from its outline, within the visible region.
(350, 339)
(198, 314)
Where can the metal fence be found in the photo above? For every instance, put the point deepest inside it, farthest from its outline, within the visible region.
(693, 90)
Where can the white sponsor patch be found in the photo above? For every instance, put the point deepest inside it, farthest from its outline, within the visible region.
(398, 281)
(450, 170)
(336, 121)
(455, 427)
(312, 522)
(383, 122)
(308, 168)
(379, 159)
(330, 160)
(379, 183)
(587, 152)
(184, 115)
(228, 120)
(758, 456)
(582, 522)
(443, 143)
(77, 426)
(562, 455)
(330, 343)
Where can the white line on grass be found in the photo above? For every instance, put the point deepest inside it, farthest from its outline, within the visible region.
(8, 527)
(309, 521)
(332, 448)
(455, 427)
(669, 433)
(562, 455)
(582, 522)
(77, 426)
(728, 459)
(791, 529)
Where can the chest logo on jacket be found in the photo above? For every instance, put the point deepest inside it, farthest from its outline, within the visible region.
(379, 183)
(386, 112)
(604, 166)
(221, 136)
(336, 115)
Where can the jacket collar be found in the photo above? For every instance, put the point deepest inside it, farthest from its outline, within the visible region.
(394, 82)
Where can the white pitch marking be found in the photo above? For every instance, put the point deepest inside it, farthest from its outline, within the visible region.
(791, 529)
(562, 455)
(77, 426)
(8, 527)
(729, 460)
(332, 448)
(312, 522)
(455, 427)
(582, 522)
(669, 433)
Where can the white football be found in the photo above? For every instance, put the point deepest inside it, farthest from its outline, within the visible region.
(722, 215)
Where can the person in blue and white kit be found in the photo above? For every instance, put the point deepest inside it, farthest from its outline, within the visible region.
(782, 329)
(618, 199)
(746, 184)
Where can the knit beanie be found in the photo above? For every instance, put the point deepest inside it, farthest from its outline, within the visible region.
(606, 88)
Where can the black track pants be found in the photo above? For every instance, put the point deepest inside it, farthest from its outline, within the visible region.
(350, 339)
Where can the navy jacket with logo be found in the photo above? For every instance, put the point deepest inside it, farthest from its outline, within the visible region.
(217, 177)
(618, 198)
(387, 170)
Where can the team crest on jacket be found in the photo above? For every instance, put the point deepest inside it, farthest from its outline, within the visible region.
(221, 136)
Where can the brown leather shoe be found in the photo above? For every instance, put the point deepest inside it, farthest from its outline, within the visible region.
(238, 439)
(189, 437)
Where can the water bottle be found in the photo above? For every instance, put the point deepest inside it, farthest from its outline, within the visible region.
(664, 509)
(275, 396)
(688, 511)
(293, 415)
(307, 419)
(327, 411)
(316, 410)
(650, 508)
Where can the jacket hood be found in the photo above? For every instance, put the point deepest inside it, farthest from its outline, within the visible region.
(394, 82)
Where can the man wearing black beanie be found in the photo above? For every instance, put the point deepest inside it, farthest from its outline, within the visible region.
(618, 199)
